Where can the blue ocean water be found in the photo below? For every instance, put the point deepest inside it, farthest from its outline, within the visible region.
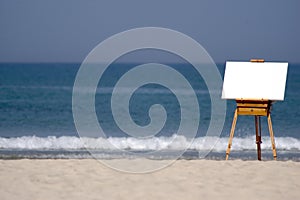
(36, 118)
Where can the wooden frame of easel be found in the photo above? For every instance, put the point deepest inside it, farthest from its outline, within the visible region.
(256, 108)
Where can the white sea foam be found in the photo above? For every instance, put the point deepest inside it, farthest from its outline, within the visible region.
(156, 143)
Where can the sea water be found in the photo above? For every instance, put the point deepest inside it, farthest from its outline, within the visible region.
(36, 119)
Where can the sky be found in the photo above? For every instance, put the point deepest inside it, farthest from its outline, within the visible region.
(67, 30)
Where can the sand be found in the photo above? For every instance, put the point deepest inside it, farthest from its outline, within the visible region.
(185, 179)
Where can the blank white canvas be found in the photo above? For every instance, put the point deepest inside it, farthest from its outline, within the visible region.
(250, 80)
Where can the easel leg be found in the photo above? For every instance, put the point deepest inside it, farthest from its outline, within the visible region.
(272, 136)
(258, 136)
(231, 134)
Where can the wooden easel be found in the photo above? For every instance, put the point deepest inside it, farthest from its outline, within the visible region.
(256, 108)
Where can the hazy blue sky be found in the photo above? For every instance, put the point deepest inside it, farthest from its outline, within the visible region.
(67, 30)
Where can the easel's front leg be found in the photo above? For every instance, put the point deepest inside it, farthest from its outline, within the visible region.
(272, 136)
(231, 134)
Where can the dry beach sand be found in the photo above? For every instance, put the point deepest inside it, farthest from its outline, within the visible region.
(185, 179)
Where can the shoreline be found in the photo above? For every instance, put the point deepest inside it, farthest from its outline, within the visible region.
(246, 155)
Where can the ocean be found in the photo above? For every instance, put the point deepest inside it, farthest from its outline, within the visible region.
(36, 119)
